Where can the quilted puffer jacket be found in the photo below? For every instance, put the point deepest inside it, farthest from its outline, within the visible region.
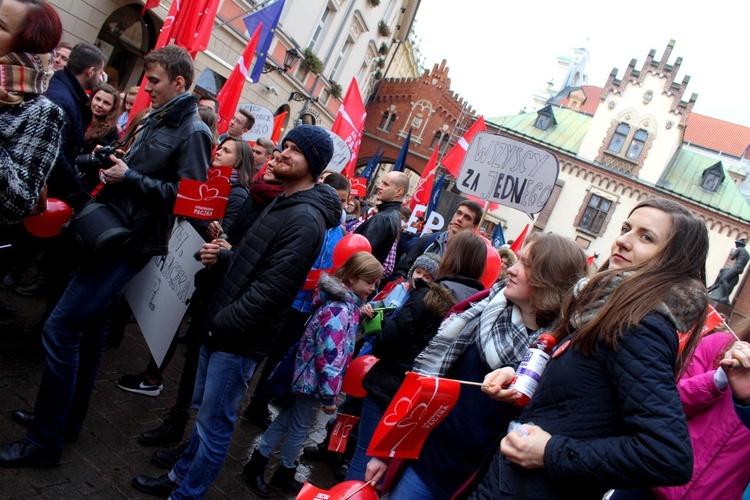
(327, 345)
(615, 418)
(265, 270)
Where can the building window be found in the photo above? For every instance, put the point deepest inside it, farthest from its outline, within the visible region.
(712, 177)
(545, 118)
(387, 121)
(636, 145)
(436, 139)
(341, 58)
(621, 134)
(444, 142)
(595, 214)
(542, 122)
(634, 140)
(321, 29)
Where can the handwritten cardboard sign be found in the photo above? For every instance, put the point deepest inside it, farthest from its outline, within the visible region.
(159, 295)
(341, 153)
(263, 126)
(509, 172)
(420, 404)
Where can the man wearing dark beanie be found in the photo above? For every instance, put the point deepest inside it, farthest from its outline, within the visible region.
(262, 274)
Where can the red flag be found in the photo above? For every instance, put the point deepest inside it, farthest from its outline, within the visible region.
(340, 433)
(193, 26)
(419, 405)
(150, 4)
(423, 189)
(278, 122)
(229, 95)
(455, 157)
(590, 259)
(518, 243)
(350, 123)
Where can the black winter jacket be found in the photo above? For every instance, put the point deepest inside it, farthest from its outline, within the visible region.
(615, 418)
(65, 91)
(382, 229)
(173, 144)
(406, 335)
(266, 269)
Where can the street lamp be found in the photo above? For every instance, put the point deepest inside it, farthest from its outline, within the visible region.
(290, 58)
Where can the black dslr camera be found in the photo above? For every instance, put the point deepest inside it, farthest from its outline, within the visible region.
(98, 159)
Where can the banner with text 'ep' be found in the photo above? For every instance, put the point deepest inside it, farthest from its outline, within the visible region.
(510, 172)
(420, 404)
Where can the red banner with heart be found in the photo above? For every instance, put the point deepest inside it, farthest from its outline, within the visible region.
(342, 429)
(419, 406)
(204, 200)
(358, 186)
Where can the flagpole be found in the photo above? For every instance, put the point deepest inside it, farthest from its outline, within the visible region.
(485, 210)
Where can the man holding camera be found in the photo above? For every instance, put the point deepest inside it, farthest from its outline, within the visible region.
(173, 144)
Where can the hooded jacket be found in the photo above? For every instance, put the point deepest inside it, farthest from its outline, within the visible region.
(409, 332)
(265, 270)
(327, 345)
(173, 144)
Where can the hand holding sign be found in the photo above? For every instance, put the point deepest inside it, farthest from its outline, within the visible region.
(510, 172)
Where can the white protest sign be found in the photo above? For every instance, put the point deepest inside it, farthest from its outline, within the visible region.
(263, 122)
(341, 153)
(433, 222)
(160, 293)
(509, 172)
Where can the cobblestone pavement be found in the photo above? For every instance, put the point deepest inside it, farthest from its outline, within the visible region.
(107, 454)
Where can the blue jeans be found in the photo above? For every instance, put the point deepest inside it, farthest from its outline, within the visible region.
(372, 412)
(411, 487)
(73, 340)
(292, 425)
(220, 386)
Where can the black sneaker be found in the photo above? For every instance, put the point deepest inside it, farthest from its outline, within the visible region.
(137, 384)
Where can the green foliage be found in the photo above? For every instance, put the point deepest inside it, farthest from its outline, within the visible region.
(383, 50)
(336, 89)
(312, 63)
(383, 29)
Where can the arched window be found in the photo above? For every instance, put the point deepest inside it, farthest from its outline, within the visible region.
(125, 37)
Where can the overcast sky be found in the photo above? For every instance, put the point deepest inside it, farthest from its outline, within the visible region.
(500, 53)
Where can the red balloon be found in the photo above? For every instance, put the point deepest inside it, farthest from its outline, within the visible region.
(50, 222)
(492, 268)
(348, 246)
(355, 373)
(348, 490)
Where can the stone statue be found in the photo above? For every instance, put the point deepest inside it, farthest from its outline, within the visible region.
(729, 276)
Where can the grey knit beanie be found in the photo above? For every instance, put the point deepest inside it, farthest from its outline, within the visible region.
(316, 145)
(427, 261)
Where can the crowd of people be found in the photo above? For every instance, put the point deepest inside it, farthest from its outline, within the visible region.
(625, 407)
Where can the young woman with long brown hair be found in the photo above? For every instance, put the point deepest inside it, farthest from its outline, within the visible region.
(607, 410)
(494, 330)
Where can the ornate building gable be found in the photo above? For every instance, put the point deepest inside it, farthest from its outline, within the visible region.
(424, 105)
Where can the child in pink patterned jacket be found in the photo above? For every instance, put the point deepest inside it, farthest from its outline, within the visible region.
(324, 352)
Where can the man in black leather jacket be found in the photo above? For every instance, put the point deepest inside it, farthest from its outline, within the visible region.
(173, 144)
(383, 228)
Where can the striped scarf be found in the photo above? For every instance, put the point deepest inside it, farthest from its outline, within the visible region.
(21, 74)
(494, 324)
